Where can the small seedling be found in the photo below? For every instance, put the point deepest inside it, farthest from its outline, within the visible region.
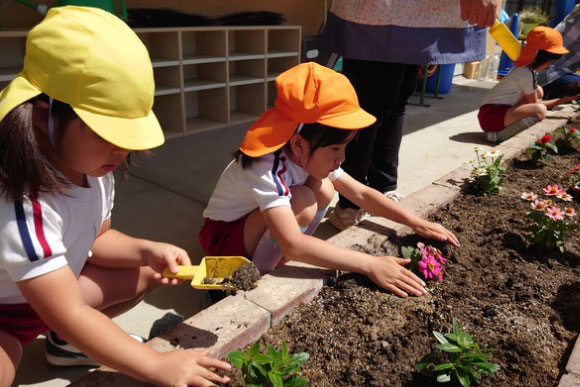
(458, 357)
(567, 137)
(487, 171)
(273, 368)
(542, 149)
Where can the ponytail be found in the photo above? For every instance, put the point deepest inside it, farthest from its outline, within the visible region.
(23, 168)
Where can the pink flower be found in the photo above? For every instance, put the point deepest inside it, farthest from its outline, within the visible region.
(530, 196)
(552, 190)
(429, 267)
(539, 205)
(572, 130)
(569, 211)
(430, 251)
(554, 213)
(564, 196)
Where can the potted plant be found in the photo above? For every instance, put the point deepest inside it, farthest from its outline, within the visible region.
(531, 17)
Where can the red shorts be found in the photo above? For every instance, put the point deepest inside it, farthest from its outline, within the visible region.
(223, 238)
(22, 322)
(492, 117)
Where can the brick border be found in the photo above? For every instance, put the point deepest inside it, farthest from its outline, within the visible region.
(237, 321)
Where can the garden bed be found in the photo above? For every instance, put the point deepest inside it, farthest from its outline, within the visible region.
(519, 301)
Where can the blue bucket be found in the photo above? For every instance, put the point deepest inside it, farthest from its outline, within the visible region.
(445, 81)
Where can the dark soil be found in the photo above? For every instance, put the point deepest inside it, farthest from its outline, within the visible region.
(245, 278)
(519, 301)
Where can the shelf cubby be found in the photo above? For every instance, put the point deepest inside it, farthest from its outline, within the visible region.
(278, 65)
(271, 94)
(247, 103)
(167, 80)
(283, 42)
(11, 55)
(169, 112)
(205, 110)
(246, 72)
(204, 76)
(201, 46)
(244, 44)
(163, 46)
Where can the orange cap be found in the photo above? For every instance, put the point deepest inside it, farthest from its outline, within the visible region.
(307, 93)
(541, 38)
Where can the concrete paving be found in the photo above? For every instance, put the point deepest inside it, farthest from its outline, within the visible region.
(164, 198)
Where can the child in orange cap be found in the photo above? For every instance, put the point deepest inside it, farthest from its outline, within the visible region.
(81, 104)
(273, 195)
(518, 96)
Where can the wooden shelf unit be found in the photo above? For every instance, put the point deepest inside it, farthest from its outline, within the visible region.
(206, 77)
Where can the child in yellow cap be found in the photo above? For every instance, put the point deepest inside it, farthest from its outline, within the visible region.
(271, 198)
(515, 102)
(81, 104)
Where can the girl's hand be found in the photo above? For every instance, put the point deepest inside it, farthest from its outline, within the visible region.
(158, 256)
(188, 368)
(435, 231)
(567, 99)
(388, 273)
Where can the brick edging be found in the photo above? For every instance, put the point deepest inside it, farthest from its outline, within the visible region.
(237, 321)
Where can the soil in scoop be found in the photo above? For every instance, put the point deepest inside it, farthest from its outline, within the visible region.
(245, 278)
(521, 302)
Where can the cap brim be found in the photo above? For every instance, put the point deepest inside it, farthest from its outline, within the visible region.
(351, 121)
(558, 50)
(127, 133)
(268, 134)
(18, 91)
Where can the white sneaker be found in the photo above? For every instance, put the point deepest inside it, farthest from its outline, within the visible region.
(343, 218)
(511, 130)
(394, 196)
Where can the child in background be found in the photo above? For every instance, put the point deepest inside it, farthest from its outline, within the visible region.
(517, 96)
(81, 103)
(271, 198)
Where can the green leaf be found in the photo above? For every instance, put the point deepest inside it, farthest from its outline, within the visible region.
(254, 349)
(487, 367)
(443, 378)
(444, 366)
(440, 338)
(407, 251)
(296, 381)
(275, 379)
(237, 358)
(451, 348)
(301, 357)
(456, 328)
(262, 358)
(451, 337)
(463, 377)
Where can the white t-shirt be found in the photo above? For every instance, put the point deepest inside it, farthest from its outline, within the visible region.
(40, 235)
(512, 88)
(264, 185)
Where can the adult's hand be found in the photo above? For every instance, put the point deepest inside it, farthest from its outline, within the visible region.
(479, 12)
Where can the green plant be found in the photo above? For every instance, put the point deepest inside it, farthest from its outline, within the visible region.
(487, 171)
(568, 135)
(533, 14)
(542, 149)
(273, 368)
(459, 357)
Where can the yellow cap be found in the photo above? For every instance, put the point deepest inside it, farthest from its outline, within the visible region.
(91, 60)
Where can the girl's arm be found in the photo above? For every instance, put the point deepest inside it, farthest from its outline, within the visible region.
(57, 298)
(114, 249)
(378, 204)
(385, 271)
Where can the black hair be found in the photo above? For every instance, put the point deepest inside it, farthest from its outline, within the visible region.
(317, 136)
(23, 167)
(542, 57)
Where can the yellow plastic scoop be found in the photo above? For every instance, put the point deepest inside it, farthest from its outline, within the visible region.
(210, 273)
(504, 37)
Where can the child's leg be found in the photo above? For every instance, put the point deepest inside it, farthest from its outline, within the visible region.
(539, 92)
(323, 192)
(518, 112)
(10, 357)
(115, 291)
(266, 252)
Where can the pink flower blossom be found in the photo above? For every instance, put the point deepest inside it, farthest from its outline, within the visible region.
(530, 196)
(569, 211)
(553, 190)
(429, 267)
(539, 205)
(565, 196)
(554, 213)
(430, 251)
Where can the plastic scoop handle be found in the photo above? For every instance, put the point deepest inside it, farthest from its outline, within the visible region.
(504, 37)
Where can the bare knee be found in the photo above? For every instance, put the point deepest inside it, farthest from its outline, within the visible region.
(10, 357)
(540, 110)
(323, 191)
(539, 92)
(304, 204)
